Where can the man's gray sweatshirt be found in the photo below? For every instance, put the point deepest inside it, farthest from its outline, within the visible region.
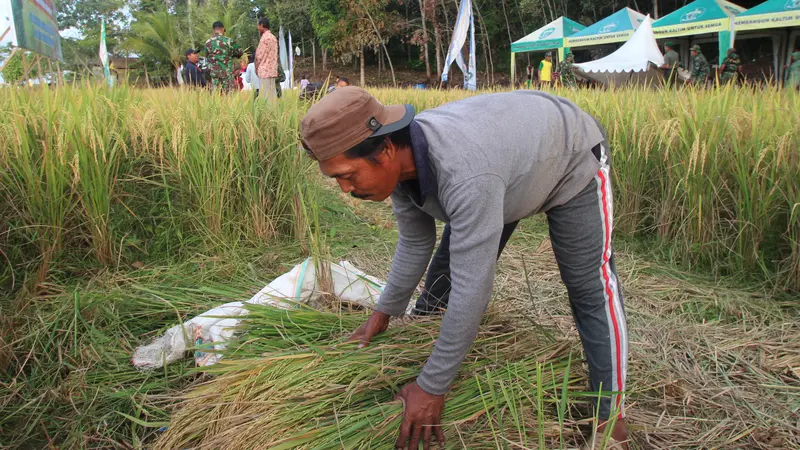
(495, 159)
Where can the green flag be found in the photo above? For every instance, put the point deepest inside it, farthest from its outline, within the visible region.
(103, 54)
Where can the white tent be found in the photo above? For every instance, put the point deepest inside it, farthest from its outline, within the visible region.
(635, 62)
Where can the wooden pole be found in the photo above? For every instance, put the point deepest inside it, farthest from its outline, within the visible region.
(5, 33)
(39, 70)
(60, 74)
(513, 71)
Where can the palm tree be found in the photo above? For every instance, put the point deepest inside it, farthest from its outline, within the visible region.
(233, 18)
(159, 36)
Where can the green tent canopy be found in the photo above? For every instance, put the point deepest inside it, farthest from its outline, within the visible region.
(770, 14)
(698, 17)
(618, 27)
(548, 37)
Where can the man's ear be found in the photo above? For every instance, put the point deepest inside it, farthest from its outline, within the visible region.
(389, 150)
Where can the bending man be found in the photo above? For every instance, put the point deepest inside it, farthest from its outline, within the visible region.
(480, 165)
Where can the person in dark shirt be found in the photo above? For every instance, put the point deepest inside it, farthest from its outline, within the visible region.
(192, 74)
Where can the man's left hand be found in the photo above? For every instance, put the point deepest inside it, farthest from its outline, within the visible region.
(422, 414)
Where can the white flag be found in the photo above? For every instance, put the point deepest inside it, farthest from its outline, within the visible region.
(465, 22)
(103, 54)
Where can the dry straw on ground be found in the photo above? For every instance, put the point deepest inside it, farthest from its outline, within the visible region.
(516, 387)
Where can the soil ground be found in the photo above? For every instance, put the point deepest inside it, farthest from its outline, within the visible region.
(405, 76)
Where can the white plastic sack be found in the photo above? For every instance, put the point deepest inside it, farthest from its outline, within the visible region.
(299, 285)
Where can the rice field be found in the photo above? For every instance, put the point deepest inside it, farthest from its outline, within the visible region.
(126, 211)
(113, 177)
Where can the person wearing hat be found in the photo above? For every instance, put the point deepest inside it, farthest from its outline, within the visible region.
(700, 67)
(480, 165)
(793, 72)
(565, 73)
(546, 70)
(671, 63)
(731, 66)
(221, 53)
(192, 74)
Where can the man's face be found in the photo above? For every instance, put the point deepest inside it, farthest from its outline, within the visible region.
(219, 30)
(193, 58)
(363, 178)
(261, 29)
(342, 83)
(548, 57)
(693, 53)
(667, 48)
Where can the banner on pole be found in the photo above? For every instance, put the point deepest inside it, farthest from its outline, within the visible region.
(291, 62)
(465, 22)
(36, 28)
(103, 55)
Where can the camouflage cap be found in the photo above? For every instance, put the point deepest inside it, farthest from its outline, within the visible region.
(345, 118)
(696, 48)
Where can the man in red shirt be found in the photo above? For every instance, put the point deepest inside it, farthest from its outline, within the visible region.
(266, 59)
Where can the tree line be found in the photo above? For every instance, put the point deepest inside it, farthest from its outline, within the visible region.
(413, 34)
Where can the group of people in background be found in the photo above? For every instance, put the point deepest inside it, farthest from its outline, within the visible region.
(226, 69)
(547, 74)
(729, 71)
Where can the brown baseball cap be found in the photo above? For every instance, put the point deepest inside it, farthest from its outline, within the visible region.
(345, 118)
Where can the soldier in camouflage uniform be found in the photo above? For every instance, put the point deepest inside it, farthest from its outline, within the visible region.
(280, 79)
(565, 73)
(221, 53)
(793, 72)
(700, 67)
(730, 66)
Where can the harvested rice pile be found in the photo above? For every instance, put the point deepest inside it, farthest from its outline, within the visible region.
(292, 382)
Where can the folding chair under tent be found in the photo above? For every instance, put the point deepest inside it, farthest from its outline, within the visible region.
(548, 37)
(636, 62)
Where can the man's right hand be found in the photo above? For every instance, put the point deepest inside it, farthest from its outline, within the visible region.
(377, 323)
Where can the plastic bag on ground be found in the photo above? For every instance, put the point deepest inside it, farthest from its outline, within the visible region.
(299, 285)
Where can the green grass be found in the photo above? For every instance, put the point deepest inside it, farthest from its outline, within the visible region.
(68, 378)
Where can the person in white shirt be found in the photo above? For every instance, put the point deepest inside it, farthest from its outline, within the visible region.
(251, 77)
(303, 83)
(246, 86)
